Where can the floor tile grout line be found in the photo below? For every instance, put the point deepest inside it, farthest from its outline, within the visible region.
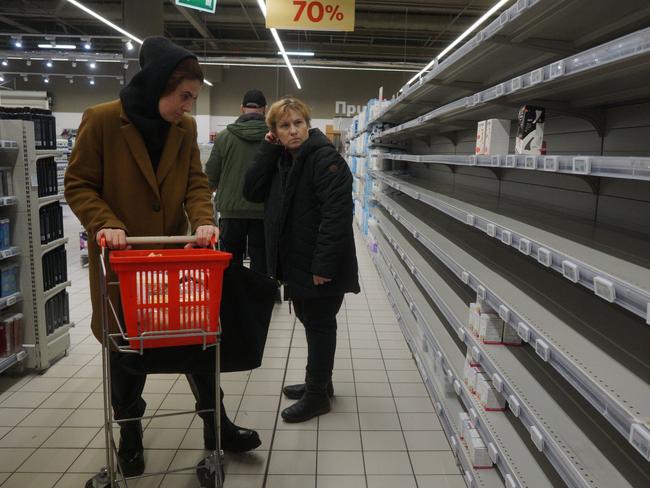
(277, 413)
(390, 385)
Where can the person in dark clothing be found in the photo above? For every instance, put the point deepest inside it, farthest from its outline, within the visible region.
(135, 169)
(241, 222)
(306, 187)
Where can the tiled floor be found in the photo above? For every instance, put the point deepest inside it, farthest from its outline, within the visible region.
(382, 431)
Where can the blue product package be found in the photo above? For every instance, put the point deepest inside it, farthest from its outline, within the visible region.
(5, 234)
(9, 280)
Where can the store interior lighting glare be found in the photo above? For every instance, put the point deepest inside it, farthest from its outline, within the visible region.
(18, 42)
(282, 51)
(459, 39)
(299, 53)
(49, 63)
(104, 20)
(5, 62)
(92, 65)
(57, 46)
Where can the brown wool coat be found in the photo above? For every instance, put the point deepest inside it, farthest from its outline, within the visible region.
(110, 183)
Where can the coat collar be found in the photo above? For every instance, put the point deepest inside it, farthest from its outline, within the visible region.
(141, 156)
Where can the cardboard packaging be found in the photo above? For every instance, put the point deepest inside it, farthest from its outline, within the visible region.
(490, 399)
(474, 318)
(478, 453)
(480, 137)
(510, 336)
(490, 329)
(497, 136)
(530, 131)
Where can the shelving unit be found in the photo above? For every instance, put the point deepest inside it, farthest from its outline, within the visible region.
(41, 348)
(579, 263)
(555, 244)
(577, 85)
(526, 35)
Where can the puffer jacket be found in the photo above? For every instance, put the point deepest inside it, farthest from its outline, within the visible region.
(307, 216)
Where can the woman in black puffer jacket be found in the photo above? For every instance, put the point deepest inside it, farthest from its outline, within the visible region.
(306, 187)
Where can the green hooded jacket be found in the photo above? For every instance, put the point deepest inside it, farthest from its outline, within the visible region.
(232, 154)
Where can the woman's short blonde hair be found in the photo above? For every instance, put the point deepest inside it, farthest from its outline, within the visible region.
(280, 108)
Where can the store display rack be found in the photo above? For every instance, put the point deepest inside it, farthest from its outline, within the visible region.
(526, 35)
(41, 348)
(450, 229)
(612, 279)
(632, 168)
(549, 422)
(575, 86)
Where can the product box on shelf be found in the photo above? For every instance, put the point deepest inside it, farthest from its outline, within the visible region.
(480, 137)
(478, 453)
(6, 183)
(490, 329)
(11, 334)
(530, 130)
(483, 306)
(490, 399)
(5, 234)
(474, 321)
(8, 280)
(510, 336)
(463, 417)
(497, 136)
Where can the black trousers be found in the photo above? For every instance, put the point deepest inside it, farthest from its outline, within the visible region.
(318, 316)
(237, 235)
(127, 385)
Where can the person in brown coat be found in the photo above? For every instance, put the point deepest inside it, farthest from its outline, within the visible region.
(135, 170)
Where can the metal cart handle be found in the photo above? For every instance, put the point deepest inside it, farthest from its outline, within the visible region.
(160, 240)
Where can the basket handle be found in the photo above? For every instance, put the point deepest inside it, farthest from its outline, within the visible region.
(160, 240)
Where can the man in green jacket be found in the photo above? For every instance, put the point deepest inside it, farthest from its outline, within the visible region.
(241, 222)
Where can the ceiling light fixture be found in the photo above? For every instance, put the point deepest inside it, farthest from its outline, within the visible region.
(92, 81)
(92, 13)
(71, 80)
(28, 62)
(46, 79)
(298, 53)
(460, 38)
(57, 46)
(126, 65)
(49, 63)
(92, 64)
(18, 41)
(129, 46)
(5, 62)
(2, 78)
(25, 77)
(283, 52)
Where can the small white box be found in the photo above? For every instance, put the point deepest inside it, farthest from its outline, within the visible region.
(462, 416)
(497, 136)
(488, 396)
(469, 359)
(478, 453)
(490, 329)
(510, 336)
(467, 427)
(480, 137)
(474, 318)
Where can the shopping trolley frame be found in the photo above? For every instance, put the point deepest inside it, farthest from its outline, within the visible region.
(108, 476)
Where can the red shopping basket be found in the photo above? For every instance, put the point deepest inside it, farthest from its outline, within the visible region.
(170, 297)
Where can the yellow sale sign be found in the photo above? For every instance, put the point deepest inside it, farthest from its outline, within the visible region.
(328, 15)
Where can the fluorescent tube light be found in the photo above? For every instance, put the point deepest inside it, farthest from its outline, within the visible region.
(283, 52)
(298, 53)
(91, 12)
(460, 38)
(57, 46)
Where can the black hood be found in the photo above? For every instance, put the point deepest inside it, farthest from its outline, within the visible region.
(158, 59)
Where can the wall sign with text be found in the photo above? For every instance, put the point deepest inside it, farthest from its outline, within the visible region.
(329, 15)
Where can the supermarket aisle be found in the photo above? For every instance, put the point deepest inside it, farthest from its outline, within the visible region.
(382, 431)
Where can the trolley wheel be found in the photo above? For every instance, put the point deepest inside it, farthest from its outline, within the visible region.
(100, 480)
(206, 469)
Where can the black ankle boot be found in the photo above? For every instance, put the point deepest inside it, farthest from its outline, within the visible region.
(233, 437)
(314, 402)
(130, 455)
(295, 392)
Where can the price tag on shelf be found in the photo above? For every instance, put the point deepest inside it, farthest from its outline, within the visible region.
(328, 15)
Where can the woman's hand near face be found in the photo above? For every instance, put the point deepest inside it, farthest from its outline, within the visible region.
(271, 138)
(205, 234)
